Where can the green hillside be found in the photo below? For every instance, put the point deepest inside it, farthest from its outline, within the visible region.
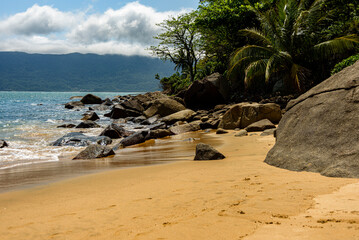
(79, 72)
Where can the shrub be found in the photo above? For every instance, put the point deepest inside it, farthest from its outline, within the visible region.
(345, 63)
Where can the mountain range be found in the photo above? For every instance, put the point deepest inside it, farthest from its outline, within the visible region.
(80, 72)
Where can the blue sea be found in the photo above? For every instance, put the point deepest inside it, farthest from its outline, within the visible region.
(28, 123)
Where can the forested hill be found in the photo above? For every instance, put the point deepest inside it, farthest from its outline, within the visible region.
(79, 72)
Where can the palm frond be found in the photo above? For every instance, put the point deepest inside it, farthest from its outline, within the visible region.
(251, 51)
(255, 69)
(337, 45)
(256, 36)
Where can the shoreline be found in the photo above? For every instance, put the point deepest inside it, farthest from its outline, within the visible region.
(241, 195)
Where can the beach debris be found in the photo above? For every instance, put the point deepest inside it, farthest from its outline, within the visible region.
(95, 151)
(241, 133)
(320, 130)
(221, 131)
(207, 152)
(260, 126)
(77, 139)
(3, 144)
(92, 116)
(115, 131)
(88, 124)
(91, 99)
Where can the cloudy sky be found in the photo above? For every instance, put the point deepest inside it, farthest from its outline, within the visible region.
(85, 26)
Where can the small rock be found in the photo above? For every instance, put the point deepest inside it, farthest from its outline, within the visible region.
(207, 152)
(95, 151)
(115, 131)
(76, 139)
(260, 126)
(75, 104)
(91, 116)
(68, 125)
(136, 138)
(241, 133)
(3, 144)
(221, 131)
(268, 132)
(88, 124)
(91, 99)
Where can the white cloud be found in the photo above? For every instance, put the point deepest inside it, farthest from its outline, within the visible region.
(44, 29)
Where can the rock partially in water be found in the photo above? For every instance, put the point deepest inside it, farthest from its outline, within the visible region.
(74, 104)
(77, 139)
(133, 104)
(115, 131)
(67, 125)
(92, 116)
(207, 152)
(120, 112)
(91, 99)
(221, 131)
(88, 124)
(107, 102)
(3, 144)
(95, 151)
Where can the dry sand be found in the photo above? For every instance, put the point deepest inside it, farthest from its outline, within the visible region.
(239, 197)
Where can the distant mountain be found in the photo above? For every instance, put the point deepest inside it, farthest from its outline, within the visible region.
(79, 72)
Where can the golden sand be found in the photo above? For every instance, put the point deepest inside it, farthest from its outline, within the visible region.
(239, 197)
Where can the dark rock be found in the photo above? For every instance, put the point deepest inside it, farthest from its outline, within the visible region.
(139, 119)
(269, 132)
(159, 133)
(120, 112)
(91, 116)
(203, 94)
(163, 107)
(188, 127)
(183, 115)
(67, 125)
(261, 125)
(241, 133)
(133, 104)
(88, 124)
(206, 125)
(243, 114)
(221, 131)
(319, 132)
(151, 120)
(156, 126)
(115, 131)
(91, 99)
(135, 138)
(3, 144)
(207, 152)
(95, 151)
(107, 102)
(75, 104)
(76, 139)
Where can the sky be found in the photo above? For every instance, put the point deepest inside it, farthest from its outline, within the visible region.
(86, 26)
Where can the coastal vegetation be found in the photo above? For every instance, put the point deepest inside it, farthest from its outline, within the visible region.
(261, 47)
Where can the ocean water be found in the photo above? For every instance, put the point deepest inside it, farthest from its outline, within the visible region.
(28, 123)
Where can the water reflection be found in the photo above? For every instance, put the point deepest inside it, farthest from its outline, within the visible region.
(174, 148)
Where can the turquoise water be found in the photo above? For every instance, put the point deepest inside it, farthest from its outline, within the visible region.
(29, 120)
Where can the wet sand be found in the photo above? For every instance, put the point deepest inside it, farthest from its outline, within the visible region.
(239, 197)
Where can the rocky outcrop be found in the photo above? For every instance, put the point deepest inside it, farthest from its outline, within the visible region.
(76, 139)
(203, 94)
(95, 151)
(243, 114)
(91, 99)
(207, 152)
(260, 126)
(3, 144)
(163, 107)
(88, 124)
(115, 131)
(183, 115)
(319, 132)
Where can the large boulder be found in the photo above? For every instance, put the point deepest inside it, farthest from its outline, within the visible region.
(163, 107)
(91, 99)
(261, 125)
(183, 115)
(203, 94)
(95, 151)
(243, 114)
(115, 131)
(76, 139)
(319, 132)
(133, 104)
(3, 144)
(207, 152)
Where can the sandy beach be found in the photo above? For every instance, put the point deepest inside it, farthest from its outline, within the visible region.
(239, 197)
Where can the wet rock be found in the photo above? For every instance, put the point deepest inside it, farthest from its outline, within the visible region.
(88, 124)
(135, 138)
(159, 133)
(139, 119)
(221, 131)
(107, 102)
(207, 152)
(184, 115)
(3, 144)
(95, 151)
(77, 139)
(67, 125)
(91, 99)
(241, 133)
(91, 116)
(163, 107)
(260, 126)
(115, 131)
(74, 104)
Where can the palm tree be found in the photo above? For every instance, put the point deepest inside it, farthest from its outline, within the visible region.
(288, 41)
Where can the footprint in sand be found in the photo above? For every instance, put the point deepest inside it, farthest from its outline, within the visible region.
(100, 209)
